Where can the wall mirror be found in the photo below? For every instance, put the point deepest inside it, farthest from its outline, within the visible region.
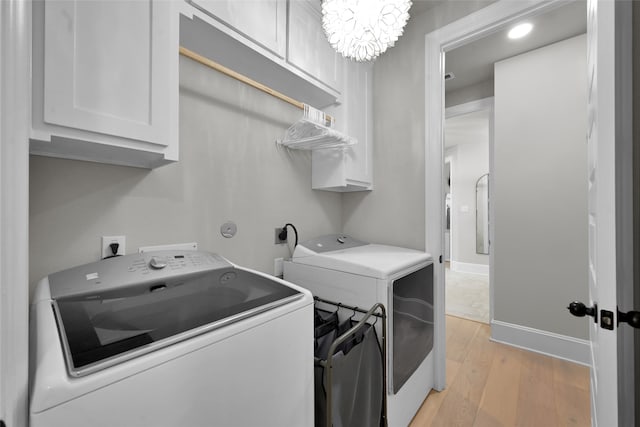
(482, 214)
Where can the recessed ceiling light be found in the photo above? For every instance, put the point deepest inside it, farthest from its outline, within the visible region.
(520, 30)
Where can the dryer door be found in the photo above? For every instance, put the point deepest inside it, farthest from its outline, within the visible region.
(412, 318)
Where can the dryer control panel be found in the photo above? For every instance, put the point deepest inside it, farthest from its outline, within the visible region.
(331, 242)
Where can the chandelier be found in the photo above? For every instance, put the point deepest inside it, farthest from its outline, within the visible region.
(364, 29)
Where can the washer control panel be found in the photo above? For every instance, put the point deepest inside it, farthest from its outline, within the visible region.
(158, 262)
(130, 270)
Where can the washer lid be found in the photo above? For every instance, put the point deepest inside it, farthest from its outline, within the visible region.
(372, 260)
(111, 324)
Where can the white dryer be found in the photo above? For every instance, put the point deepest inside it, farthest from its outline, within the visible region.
(172, 338)
(342, 269)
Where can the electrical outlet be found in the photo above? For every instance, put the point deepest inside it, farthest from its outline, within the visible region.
(278, 241)
(106, 251)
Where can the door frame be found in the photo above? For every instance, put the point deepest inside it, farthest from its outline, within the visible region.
(625, 187)
(15, 107)
(463, 31)
(437, 43)
(450, 156)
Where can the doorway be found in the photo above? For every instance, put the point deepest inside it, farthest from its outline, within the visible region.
(466, 143)
(538, 164)
(484, 22)
(609, 33)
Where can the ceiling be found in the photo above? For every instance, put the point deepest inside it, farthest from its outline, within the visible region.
(419, 6)
(473, 63)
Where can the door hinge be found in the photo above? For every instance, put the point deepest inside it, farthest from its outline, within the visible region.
(440, 258)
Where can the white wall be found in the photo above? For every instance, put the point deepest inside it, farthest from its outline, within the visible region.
(469, 136)
(230, 169)
(540, 178)
(394, 212)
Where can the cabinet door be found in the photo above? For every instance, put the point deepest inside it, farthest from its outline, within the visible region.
(106, 67)
(350, 169)
(309, 49)
(358, 87)
(262, 21)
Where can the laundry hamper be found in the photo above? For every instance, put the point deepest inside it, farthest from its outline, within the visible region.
(349, 367)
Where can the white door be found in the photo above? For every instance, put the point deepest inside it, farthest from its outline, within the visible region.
(607, 137)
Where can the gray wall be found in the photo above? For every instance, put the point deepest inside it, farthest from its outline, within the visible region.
(541, 243)
(394, 212)
(469, 93)
(470, 162)
(230, 169)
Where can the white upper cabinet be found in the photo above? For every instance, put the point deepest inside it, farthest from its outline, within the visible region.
(351, 168)
(278, 43)
(309, 49)
(248, 35)
(262, 21)
(359, 112)
(105, 81)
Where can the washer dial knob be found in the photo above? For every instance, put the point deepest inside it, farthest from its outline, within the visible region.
(158, 262)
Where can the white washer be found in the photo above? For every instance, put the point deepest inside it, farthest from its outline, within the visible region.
(171, 338)
(342, 269)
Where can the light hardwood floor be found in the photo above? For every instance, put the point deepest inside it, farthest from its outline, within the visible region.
(491, 384)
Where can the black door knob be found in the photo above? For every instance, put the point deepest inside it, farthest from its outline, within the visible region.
(630, 317)
(578, 309)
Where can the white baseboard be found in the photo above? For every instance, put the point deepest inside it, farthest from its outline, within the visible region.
(465, 267)
(555, 345)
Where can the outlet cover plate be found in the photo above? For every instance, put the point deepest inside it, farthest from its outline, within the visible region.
(105, 250)
(277, 240)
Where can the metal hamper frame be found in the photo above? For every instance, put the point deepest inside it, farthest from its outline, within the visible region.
(361, 323)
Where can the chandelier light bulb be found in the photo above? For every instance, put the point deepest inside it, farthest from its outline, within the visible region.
(364, 29)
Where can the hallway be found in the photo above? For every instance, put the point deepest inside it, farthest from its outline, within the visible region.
(467, 295)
